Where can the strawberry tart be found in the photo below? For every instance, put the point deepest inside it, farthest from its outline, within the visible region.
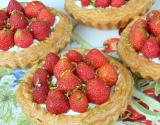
(80, 87)
(139, 47)
(29, 31)
(106, 14)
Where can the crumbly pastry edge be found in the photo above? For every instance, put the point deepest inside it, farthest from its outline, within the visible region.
(108, 18)
(32, 55)
(106, 113)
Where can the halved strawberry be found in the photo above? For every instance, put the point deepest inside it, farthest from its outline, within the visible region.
(102, 3)
(154, 26)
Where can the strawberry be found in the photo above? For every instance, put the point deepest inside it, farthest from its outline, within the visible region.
(154, 26)
(14, 5)
(56, 102)
(138, 36)
(40, 93)
(40, 77)
(97, 91)
(23, 38)
(33, 8)
(151, 48)
(40, 30)
(85, 72)
(108, 73)
(78, 102)
(153, 15)
(85, 2)
(3, 18)
(102, 3)
(18, 20)
(50, 62)
(61, 66)
(117, 3)
(96, 58)
(6, 39)
(74, 56)
(45, 15)
(68, 82)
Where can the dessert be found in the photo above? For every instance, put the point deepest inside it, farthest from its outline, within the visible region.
(106, 14)
(29, 31)
(139, 46)
(76, 90)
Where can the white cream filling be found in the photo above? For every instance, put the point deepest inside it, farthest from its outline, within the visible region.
(15, 48)
(155, 60)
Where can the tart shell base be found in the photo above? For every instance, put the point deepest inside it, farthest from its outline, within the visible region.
(104, 114)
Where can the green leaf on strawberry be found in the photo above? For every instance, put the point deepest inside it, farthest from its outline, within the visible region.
(157, 88)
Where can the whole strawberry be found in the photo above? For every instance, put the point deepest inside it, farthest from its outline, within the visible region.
(85, 2)
(117, 3)
(97, 91)
(96, 58)
(102, 3)
(151, 48)
(40, 77)
(3, 18)
(40, 93)
(6, 39)
(85, 72)
(154, 26)
(56, 102)
(78, 102)
(74, 56)
(153, 15)
(40, 30)
(50, 62)
(108, 73)
(68, 82)
(18, 20)
(23, 38)
(62, 66)
(138, 36)
(45, 15)
(14, 5)
(33, 8)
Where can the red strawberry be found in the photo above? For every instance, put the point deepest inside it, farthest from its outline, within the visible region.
(6, 39)
(23, 38)
(97, 91)
(40, 77)
(74, 56)
(138, 36)
(117, 3)
(14, 5)
(151, 48)
(68, 82)
(153, 15)
(61, 67)
(96, 58)
(50, 62)
(102, 3)
(56, 102)
(40, 93)
(154, 26)
(108, 73)
(32, 9)
(78, 102)
(85, 72)
(18, 20)
(85, 2)
(3, 18)
(45, 15)
(40, 30)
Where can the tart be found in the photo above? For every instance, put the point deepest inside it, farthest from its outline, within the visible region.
(108, 17)
(140, 51)
(107, 108)
(59, 35)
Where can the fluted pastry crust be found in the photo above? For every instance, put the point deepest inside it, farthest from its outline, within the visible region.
(108, 18)
(138, 64)
(104, 114)
(32, 55)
